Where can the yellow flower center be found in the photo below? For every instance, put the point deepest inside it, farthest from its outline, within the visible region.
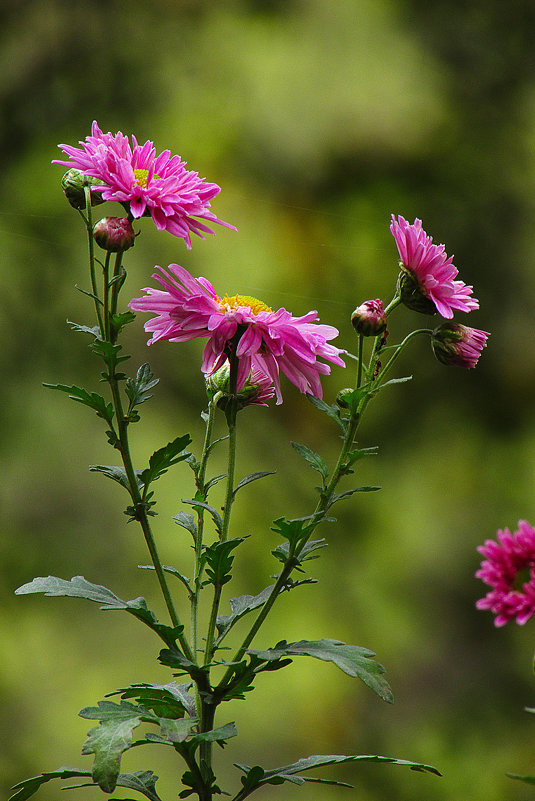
(228, 303)
(142, 177)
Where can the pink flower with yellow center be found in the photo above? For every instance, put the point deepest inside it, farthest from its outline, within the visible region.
(160, 185)
(268, 341)
(428, 280)
(509, 569)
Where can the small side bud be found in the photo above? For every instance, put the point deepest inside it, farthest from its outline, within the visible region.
(369, 319)
(257, 390)
(114, 234)
(343, 397)
(73, 183)
(458, 344)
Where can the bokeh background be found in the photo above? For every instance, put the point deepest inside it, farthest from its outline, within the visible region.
(319, 120)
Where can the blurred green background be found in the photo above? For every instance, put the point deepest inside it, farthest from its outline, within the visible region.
(319, 120)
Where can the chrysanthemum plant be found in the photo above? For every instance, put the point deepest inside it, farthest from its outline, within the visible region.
(248, 345)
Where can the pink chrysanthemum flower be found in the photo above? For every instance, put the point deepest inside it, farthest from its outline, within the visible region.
(156, 185)
(270, 341)
(458, 344)
(509, 569)
(427, 281)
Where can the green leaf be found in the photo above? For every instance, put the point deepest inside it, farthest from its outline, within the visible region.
(212, 482)
(173, 731)
(116, 473)
(216, 517)
(219, 559)
(393, 381)
(28, 787)
(166, 700)
(352, 659)
(331, 411)
(294, 530)
(174, 658)
(91, 399)
(339, 496)
(78, 587)
(256, 777)
(313, 458)
(306, 552)
(164, 458)
(186, 521)
(239, 607)
(142, 781)
(173, 572)
(526, 779)
(85, 329)
(110, 739)
(218, 735)
(109, 353)
(138, 389)
(118, 321)
(250, 478)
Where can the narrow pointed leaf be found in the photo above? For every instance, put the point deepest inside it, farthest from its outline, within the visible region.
(91, 399)
(252, 477)
(28, 787)
(313, 458)
(239, 607)
(331, 411)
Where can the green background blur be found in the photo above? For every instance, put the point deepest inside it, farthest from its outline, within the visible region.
(318, 120)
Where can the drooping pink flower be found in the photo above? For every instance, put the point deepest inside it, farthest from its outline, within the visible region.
(428, 276)
(458, 344)
(269, 341)
(509, 569)
(160, 185)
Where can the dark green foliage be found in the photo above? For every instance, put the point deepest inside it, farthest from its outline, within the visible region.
(306, 551)
(331, 411)
(164, 458)
(251, 477)
(216, 517)
(239, 607)
(352, 659)
(116, 473)
(143, 781)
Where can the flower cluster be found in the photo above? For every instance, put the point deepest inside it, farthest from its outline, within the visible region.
(509, 569)
(264, 340)
(160, 185)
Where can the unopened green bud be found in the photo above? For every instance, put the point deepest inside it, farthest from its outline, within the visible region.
(343, 397)
(412, 294)
(114, 234)
(257, 390)
(73, 183)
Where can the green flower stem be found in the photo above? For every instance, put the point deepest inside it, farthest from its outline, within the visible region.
(361, 348)
(94, 288)
(106, 281)
(116, 286)
(200, 528)
(400, 347)
(396, 300)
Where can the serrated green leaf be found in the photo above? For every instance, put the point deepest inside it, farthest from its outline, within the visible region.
(108, 710)
(108, 352)
(116, 473)
(313, 459)
(216, 517)
(174, 658)
(250, 478)
(166, 700)
(352, 659)
(138, 389)
(186, 521)
(164, 458)
(239, 607)
(107, 742)
(79, 587)
(218, 735)
(91, 399)
(28, 787)
(335, 497)
(219, 559)
(306, 552)
(173, 731)
(119, 321)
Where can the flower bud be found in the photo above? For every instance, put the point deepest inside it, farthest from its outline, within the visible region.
(344, 396)
(114, 234)
(458, 344)
(369, 319)
(413, 296)
(257, 389)
(73, 183)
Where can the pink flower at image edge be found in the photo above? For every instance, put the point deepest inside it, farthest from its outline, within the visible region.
(509, 569)
(431, 268)
(271, 341)
(159, 185)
